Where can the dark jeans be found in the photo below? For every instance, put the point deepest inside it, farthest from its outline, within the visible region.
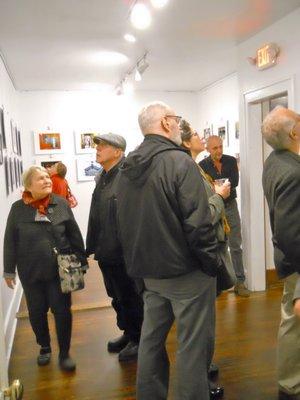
(125, 300)
(40, 296)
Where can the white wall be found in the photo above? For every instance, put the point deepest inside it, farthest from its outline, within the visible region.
(67, 112)
(217, 104)
(9, 300)
(252, 82)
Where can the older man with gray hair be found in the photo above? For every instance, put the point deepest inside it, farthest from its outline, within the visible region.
(169, 243)
(281, 182)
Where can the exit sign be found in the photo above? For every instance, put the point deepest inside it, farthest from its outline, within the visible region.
(267, 55)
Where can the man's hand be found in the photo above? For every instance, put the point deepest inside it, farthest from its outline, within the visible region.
(297, 308)
(11, 282)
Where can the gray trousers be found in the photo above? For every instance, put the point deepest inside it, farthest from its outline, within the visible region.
(190, 300)
(235, 239)
(288, 351)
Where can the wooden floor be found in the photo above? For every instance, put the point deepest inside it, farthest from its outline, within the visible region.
(245, 353)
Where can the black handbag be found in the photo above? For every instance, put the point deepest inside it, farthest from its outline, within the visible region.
(70, 272)
(225, 275)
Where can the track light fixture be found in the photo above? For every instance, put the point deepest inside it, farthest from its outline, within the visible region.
(136, 72)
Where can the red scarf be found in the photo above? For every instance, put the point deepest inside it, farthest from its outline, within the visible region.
(41, 205)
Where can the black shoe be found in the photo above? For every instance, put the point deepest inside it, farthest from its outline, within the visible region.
(215, 391)
(67, 364)
(130, 352)
(44, 357)
(213, 371)
(118, 344)
(285, 396)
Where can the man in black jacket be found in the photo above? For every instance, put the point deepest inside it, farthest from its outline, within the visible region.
(168, 241)
(102, 240)
(218, 166)
(281, 182)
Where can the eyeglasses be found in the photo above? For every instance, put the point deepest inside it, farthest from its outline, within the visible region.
(177, 117)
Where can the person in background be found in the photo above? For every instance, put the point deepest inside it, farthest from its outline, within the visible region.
(36, 224)
(58, 173)
(192, 142)
(281, 183)
(102, 241)
(168, 241)
(219, 165)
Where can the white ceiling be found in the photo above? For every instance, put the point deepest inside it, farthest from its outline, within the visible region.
(49, 45)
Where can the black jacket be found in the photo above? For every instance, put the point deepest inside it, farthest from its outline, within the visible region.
(28, 244)
(102, 238)
(163, 214)
(229, 170)
(281, 182)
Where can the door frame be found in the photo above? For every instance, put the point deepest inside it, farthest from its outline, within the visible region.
(252, 198)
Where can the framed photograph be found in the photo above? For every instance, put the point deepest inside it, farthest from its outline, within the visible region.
(206, 133)
(47, 143)
(84, 142)
(16, 169)
(2, 127)
(11, 174)
(87, 168)
(237, 130)
(7, 176)
(13, 131)
(223, 134)
(1, 150)
(19, 143)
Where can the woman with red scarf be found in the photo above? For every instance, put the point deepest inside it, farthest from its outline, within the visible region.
(36, 224)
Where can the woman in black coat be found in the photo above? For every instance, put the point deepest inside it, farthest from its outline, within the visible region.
(36, 224)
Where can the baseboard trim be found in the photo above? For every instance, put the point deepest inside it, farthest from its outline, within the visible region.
(76, 308)
(10, 322)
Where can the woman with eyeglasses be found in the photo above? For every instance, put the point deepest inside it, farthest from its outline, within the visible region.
(194, 144)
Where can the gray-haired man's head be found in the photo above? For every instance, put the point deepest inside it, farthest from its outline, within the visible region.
(158, 118)
(280, 128)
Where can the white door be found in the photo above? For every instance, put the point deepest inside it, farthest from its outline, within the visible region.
(257, 247)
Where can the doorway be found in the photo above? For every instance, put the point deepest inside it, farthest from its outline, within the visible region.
(257, 245)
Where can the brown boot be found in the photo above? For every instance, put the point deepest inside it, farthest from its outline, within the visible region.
(241, 290)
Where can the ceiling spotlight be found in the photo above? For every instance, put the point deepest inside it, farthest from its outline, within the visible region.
(130, 38)
(142, 65)
(140, 16)
(159, 3)
(119, 89)
(137, 75)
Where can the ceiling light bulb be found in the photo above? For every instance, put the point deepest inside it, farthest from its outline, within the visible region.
(137, 76)
(140, 16)
(159, 3)
(130, 38)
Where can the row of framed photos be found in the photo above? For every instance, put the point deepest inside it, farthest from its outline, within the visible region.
(86, 166)
(15, 137)
(223, 132)
(13, 173)
(53, 142)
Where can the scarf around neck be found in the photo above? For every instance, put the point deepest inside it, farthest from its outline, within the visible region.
(41, 204)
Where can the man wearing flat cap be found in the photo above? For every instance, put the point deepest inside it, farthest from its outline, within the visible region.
(102, 241)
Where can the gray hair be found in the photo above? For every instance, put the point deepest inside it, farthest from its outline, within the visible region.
(277, 126)
(28, 174)
(151, 114)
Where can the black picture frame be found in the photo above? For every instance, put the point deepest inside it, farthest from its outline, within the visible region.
(12, 174)
(7, 178)
(16, 172)
(2, 127)
(1, 150)
(19, 147)
(13, 132)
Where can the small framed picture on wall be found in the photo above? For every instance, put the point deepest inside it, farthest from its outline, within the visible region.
(87, 168)
(47, 142)
(224, 134)
(84, 142)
